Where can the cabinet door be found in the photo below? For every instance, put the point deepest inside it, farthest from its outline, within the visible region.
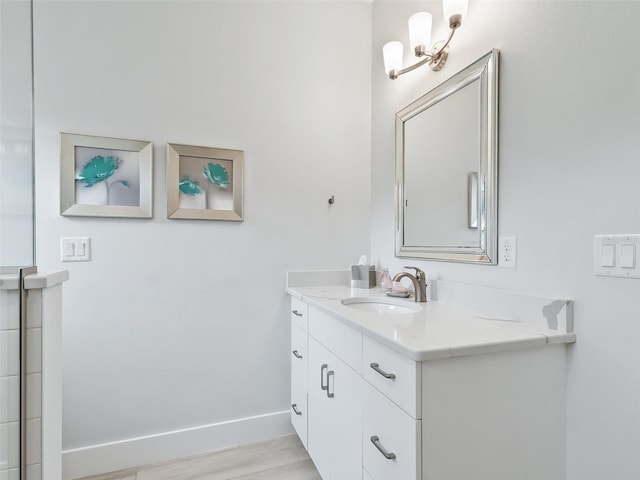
(346, 387)
(319, 418)
(299, 359)
(299, 314)
(299, 411)
(391, 439)
(299, 356)
(335, 415)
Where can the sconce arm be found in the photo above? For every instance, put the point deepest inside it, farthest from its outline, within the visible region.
(393, 74)
(435, 59)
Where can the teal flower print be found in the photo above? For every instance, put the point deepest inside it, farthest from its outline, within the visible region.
(97, 170)
(216, 174)
(189, 187)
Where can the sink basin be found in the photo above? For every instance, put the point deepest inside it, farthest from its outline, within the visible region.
(385, 306)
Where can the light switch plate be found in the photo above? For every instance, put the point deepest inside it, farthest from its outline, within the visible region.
(508, 252)
(75, 249)
(628, 255)
(616, 255)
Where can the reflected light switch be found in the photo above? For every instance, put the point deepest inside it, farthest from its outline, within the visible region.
(608, 255)
(627, 256)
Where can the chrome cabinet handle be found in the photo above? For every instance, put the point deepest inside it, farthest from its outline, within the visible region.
(388, 455)
(330, 373)
(295, 409)
(296, 313)
(296, 354)
(323, 367)
(376, 367)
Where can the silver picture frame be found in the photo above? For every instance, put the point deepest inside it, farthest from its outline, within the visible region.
(105, 177)
(204, 183)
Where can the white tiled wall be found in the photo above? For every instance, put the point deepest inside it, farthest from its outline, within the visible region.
(10, 389)
(9, 383)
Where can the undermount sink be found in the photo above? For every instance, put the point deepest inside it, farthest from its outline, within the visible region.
(385, 306)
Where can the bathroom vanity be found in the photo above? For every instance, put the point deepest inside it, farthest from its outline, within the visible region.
(471, 386)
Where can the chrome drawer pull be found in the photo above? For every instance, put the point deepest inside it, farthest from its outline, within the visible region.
(330, 373)
(296, 313)
(388, 455)
(295, 409)
(296, 354)
(323, 367)
(376, 367)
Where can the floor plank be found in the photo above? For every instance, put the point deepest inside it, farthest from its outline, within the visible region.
(303, 470)
(282, 458)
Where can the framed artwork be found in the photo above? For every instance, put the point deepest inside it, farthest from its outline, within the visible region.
(105, 177)
(204, 183)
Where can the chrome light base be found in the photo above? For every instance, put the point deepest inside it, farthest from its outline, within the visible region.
(437, 61)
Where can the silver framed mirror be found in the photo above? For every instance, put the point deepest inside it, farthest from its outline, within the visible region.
(447, 169)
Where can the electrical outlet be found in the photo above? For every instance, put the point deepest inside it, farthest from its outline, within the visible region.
(508, 252)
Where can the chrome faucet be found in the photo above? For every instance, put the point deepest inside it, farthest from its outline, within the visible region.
(419, 283)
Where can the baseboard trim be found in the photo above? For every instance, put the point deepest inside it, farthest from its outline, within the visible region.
(132, 452)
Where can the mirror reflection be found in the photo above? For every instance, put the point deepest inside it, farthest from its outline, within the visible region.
(446, 163)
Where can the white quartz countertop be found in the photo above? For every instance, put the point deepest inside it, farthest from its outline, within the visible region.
(440, 330)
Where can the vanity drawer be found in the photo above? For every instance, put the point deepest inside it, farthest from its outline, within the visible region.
(299, 355)
(298, 410)
(343, 341)
(395, 375)
(300, 313)
(397, 436)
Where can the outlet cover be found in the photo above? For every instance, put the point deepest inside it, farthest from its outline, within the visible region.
(508, 252)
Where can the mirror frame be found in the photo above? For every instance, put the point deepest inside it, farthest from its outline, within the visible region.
(485, 70)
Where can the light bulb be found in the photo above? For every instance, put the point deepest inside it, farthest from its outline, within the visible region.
(455, 11)
(420, 30)
(392, 53)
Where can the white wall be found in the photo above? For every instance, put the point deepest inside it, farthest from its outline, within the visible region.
(178, 324)
(569, 169)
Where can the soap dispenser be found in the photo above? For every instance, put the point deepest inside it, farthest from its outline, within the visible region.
(386, 284)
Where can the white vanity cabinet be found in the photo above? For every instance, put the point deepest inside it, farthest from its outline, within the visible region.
(492, 411)
(299, 368)
(326, 392)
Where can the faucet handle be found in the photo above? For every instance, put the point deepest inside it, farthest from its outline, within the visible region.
(419, 273)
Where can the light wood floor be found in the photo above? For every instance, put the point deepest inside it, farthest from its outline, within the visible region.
(282, 458)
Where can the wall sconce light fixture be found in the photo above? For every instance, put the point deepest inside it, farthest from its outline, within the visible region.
(420, 37)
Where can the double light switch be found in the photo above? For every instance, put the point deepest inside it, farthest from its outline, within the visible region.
(75, 249)
(616, 255)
